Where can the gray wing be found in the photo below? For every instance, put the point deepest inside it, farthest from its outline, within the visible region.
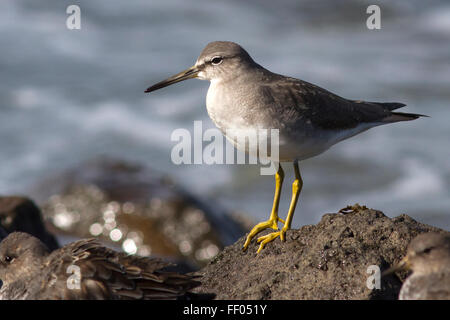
(106, 274)
(303, 101)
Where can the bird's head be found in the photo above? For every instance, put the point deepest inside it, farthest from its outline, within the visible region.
(427, 253)
(19, 254)
(219, 60)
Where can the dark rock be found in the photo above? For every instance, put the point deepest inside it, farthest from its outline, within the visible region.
(137, 209)
(3, 233)
(324, 261)
(21, 214)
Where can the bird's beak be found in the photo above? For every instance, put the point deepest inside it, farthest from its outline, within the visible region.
(190, 73)
(402, 265)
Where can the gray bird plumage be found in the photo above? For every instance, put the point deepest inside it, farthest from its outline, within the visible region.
(29, 271)
(310, 119)
(245, 97)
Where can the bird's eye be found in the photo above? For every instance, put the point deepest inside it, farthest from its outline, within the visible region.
(8, 259)
(427, 250)
(216, 60)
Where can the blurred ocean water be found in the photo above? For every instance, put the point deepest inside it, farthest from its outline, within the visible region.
(70, 95)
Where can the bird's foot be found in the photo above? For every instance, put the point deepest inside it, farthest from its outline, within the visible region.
(270, 237)
(271, 223)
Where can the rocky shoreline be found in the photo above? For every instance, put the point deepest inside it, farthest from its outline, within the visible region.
(137, 209)
(329, 260)
(121, 203)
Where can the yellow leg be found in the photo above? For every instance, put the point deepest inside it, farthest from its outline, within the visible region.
(296, 189)
(273, 219)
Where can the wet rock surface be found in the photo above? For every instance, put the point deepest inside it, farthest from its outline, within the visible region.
(324, 261)
(136, 209)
